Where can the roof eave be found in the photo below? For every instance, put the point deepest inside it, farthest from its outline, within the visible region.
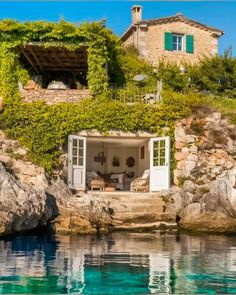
(215, 32)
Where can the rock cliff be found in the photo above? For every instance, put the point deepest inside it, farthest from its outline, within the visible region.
(22, 206)
(204, 198)
(29, 199)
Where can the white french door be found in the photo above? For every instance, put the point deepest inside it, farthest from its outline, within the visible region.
(159, 163)
(77, 162)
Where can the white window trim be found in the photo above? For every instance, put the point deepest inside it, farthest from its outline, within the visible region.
(183, 42)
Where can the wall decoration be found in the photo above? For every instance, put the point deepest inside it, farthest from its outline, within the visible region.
(130, 162)
(100, 158)
(142, 152)
(116, 162)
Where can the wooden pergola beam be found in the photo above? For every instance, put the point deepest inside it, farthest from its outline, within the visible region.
(55, 58)
(35, 57)
(66, 69)
(29, 59)
(54, 55)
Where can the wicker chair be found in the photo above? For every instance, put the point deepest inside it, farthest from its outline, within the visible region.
(141, 184)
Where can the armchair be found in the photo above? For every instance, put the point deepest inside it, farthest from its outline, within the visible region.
(141, 184)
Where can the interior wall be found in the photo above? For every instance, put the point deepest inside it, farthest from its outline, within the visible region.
(92, 151)
(144, 163)
(122, 153)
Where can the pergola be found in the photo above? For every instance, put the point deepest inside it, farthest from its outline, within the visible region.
(46, 57)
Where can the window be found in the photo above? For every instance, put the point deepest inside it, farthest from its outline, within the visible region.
(177, 42)
(159, 153)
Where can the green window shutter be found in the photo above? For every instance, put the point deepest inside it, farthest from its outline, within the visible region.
(189, 44)
(168, 41)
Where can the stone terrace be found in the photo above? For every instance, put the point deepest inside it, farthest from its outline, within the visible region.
(55, 96)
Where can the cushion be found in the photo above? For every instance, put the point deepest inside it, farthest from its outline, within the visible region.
(146, 174)
(92, 174)
(119, 176)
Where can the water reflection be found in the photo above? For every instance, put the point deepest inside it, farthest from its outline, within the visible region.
(118, 264)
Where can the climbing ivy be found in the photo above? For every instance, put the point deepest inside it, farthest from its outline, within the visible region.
(13, 34)
(43, 129)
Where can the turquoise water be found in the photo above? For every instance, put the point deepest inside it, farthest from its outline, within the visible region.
(118, 263)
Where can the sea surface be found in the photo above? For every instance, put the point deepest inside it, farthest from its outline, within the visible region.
(119, 263)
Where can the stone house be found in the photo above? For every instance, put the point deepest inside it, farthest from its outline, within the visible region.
(175, 38)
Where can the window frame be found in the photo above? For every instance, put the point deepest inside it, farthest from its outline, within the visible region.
(177, 42)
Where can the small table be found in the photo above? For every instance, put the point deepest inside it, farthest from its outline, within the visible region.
(97, 184)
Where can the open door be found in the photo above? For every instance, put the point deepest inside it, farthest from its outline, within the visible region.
(77, 162)
(159, 163)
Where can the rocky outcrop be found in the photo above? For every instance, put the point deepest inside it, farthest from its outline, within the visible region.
(22, 206)
(205, 148)
(205, 199)
(84, 215)
(28, 199)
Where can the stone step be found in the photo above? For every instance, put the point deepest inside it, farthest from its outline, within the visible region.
(152, 226)
(125, 196)
(136, 217)
(155, 208)
(144, 200)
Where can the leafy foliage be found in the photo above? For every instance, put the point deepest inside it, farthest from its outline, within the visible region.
(42, 129)
(131, 64)
(227, 106)
(172, 77)
(215, 75)
(94, 35)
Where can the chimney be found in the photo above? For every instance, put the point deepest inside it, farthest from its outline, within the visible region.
(136, 14)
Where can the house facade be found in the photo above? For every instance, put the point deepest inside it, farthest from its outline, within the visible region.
(175, 38)
(118, 161)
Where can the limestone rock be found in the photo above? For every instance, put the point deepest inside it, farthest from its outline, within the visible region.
(83, 215)
(190, 165)
(175, 205)
(191, 212)
(180, 156)
(185, 149)
(189, 139)
(187, 199)
(180, 134)
(22, 207)
(179, 145)
(189, 186)
(193, 149)
(5, 159)
(210, 222)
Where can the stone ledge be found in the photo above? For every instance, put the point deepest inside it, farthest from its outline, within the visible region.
(55, 96)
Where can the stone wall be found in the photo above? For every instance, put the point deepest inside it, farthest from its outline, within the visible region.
(204, 198)
(205, 148)
(55, 96)
(150, 43)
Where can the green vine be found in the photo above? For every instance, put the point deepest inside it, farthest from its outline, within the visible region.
(43, 129)
(14, 34)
